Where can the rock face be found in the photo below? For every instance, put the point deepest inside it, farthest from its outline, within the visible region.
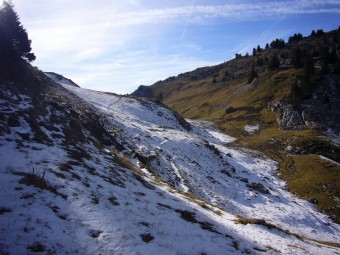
(143, 91)
(320, 112)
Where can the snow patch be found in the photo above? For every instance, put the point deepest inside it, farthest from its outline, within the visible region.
(251, 129)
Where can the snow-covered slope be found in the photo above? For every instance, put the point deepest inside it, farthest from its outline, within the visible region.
(115, 175)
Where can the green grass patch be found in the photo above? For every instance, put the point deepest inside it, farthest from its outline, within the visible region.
(314, 179)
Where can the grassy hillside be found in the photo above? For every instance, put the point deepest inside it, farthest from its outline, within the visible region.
(231, 97)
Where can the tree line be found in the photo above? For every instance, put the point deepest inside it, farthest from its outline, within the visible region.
(14, 41)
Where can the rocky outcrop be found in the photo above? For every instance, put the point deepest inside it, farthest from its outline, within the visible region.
(320, 112)
(143, 91)
(61, 79)
(287, 116)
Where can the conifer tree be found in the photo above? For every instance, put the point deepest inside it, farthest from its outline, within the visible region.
(296, 94)
(308, 71)
(297, 58)
(295, 38)
(13, 36)
(274, 62)
(277, 44)
(253, 73)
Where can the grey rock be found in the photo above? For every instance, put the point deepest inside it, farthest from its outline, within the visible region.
(320, 112)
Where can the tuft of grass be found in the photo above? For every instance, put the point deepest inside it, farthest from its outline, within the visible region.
(36, 247)
(5, 210)
(190, 217)
(262, 222)
(147, 237)
(36, 181)
(95, 233)
(113, 200)
(60, 175)
(33, 179)
(94, 199)
(187, 216)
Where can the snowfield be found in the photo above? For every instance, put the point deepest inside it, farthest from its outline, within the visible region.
(181, 191)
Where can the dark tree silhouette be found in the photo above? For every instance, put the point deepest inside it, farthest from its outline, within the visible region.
(297, 58)
(295, 38)
(319, 32)
(13, 36)
(258, 49)
(253, 73)
(296, 94)
(274, 62)
(237, 55)
(259, 62)
(308, 71)
(277, 44)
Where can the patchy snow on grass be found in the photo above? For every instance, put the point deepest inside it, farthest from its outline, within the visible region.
(205, 164)
(328, 159)
(188, 192)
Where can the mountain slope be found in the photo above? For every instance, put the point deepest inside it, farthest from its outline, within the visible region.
(87, 175)
(289, 111)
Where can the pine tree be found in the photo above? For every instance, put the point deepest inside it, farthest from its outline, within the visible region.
(319, 32)
(274, 62)
(277, 44)
(296, 94)
(237, 55)
(259, 62)
(308, 71)
(295, 38)
(253, 73)
(14, 38)
(297, 58)
(258, 49)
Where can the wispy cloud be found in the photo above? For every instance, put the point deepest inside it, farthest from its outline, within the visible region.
(238, 11)
(196, 13)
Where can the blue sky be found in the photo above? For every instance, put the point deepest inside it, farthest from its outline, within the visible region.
(114, 45)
